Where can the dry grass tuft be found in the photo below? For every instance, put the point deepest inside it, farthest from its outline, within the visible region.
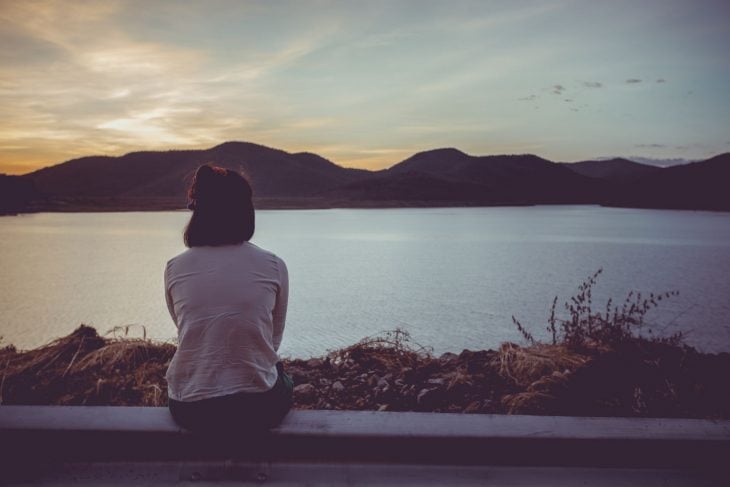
(85, 368)
(525, 366)
(538, 371)
(391, 349)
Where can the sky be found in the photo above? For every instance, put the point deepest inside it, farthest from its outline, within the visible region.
(364, 84)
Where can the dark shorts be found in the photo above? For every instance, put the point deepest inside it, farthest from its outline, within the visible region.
(237, 413)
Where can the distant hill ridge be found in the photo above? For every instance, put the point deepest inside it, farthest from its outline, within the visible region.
(442, 177)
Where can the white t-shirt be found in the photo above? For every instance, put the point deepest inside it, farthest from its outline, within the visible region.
(229, 305)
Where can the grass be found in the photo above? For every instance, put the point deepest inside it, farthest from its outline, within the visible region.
(85, 368)
(593, 364)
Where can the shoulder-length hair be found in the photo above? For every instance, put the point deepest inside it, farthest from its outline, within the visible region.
(222, 204)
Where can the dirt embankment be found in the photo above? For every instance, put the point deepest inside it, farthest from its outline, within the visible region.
(388, 373)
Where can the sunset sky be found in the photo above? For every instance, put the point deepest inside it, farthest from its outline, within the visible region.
(364, 84)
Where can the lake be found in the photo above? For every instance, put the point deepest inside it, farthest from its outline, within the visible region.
(452, 277)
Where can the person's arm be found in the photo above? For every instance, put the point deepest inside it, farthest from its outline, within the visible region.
(282, 301)
(168, 297)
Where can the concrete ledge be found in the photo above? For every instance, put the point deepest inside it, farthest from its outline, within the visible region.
(61, 434)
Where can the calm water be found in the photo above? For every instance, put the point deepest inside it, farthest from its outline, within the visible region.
(451, 277)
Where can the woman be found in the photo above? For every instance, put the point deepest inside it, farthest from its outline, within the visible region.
(228, 299)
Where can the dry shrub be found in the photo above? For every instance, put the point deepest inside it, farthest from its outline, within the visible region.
(122, 355)
(84, 368)
(390, 350)
(615, 326)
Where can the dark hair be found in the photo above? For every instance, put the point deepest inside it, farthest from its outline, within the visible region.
(222, 204)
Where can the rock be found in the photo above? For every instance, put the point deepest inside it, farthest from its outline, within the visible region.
(383, 407)
(382, 393)
(338, 386)
(314, 363)
(305, 390)
(298, 377)
(382, 383)
(324, 382)
(373, 380)
(437, 381)
(448, 357)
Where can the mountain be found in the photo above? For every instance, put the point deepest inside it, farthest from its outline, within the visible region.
(441, 177)
(701, 185)
(414, 188)
(616, 170)
(16, 193)
(651, 161)
(519, 179)
(160, 178)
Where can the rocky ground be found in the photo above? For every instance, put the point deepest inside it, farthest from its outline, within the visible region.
(388, 373)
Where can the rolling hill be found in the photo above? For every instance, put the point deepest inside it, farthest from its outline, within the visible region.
(616, 170)
(445, 177)
(519, 179)
(699, 185)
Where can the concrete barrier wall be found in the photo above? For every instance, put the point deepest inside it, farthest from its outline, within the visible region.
(43, 437)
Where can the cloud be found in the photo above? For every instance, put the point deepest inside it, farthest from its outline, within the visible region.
(661, 80)
(81, 82)
(439, 128)
(633, 81)
(527, 98)
(568, 100)
(558, 89)
(650, 146)
(592, 84)
(312, 123)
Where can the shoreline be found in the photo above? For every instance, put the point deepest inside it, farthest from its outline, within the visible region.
(636, 378)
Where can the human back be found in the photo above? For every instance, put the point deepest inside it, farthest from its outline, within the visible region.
(228, 300)
(229, 309)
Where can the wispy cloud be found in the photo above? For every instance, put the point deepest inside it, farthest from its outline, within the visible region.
(438, 128)
(312, 123)
(102, 91)
(592, 84)
(650, 146)
(112, 76)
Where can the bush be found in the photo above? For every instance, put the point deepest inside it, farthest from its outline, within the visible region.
(614, 326)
